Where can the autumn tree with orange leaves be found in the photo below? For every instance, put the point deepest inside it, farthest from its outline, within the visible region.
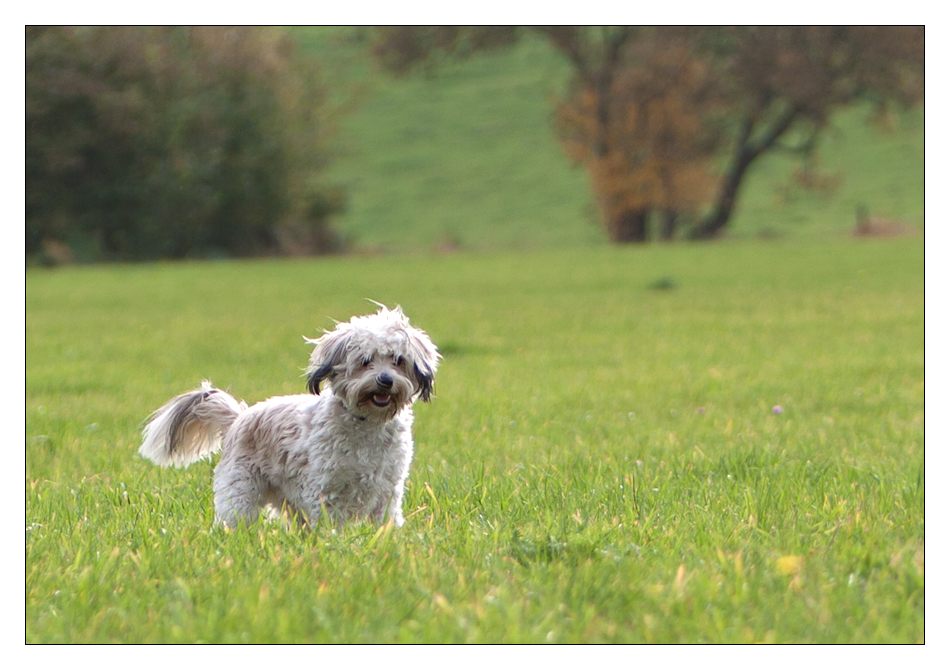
(653, 153)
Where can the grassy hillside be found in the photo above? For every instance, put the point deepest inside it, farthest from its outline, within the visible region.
(601, 463)
(466, 156)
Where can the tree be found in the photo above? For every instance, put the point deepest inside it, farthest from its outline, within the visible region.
(167, 142)
(786, 81)
(647, 140)
(647, 109)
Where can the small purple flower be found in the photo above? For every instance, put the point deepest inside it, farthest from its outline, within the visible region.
(777, 409)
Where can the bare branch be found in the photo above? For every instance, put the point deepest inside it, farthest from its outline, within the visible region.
(570, 42)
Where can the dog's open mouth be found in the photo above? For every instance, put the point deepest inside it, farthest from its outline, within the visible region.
(381, 399)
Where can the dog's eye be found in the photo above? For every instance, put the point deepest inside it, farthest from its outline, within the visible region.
(367, 361)
(399, 361)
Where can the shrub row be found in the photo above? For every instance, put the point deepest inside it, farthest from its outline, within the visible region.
(147, 143)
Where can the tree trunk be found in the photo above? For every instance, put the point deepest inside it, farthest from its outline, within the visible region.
(629, 226)
(726, 201)
(669, 225)
(747, 150)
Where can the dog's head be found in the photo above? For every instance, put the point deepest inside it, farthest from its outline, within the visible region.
(376, 364)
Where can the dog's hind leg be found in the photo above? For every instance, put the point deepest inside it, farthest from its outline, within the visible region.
(238, 494)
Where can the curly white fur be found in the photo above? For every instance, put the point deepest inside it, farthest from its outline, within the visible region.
(344, 451)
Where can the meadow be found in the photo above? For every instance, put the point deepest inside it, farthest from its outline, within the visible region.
(605, 459)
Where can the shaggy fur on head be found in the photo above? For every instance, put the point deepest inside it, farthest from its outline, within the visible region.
(343, 450)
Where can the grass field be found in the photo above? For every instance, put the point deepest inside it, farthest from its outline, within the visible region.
(466, 156)
(601, 463)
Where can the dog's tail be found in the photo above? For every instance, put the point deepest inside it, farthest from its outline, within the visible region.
(189, 427)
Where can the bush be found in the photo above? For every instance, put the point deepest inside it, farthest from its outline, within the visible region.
(149, 143)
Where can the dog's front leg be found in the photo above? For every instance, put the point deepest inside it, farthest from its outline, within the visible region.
(390, 508)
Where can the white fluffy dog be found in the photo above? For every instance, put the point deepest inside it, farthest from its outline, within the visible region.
(344, 452)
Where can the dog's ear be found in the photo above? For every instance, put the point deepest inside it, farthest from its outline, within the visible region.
(425, 361)
(425, 382)
(327, 357)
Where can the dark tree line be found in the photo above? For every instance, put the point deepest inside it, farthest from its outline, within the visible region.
(169, 142)
(649, 110)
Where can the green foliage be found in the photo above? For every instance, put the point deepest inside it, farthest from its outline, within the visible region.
(173, 142)
(601, 462)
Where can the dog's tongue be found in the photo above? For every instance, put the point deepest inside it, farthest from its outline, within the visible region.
(381, 399)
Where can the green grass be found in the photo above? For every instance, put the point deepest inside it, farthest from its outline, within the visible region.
(466, 156)
(601, 462)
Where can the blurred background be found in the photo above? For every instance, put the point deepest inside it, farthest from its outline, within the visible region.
(153, 143)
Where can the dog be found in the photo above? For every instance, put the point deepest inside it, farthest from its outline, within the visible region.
(343, 451)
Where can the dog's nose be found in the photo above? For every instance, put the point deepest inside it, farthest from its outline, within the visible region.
(384, 379)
